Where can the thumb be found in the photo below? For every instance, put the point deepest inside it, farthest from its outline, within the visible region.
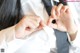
(53, 25)
(42, 24)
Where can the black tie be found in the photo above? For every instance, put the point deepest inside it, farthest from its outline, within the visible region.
(48, 6)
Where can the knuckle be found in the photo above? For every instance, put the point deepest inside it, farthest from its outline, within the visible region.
(60, 4)
(38, 19)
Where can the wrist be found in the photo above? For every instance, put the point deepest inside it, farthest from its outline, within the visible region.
(72, 28)
(72, 33)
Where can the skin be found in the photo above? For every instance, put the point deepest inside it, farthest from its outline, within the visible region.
(28, 25)
(62, 15)
(64, 20)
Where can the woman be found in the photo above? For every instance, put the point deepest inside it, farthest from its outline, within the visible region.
(10, 14)
(65, 16)
(21, 26)
(13, 15)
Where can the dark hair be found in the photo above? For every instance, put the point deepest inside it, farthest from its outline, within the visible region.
(10, 13)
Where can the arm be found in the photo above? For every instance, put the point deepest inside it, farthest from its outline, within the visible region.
(75, 37)
(7, 34)
(12, 36)
(64, 21)
(22, 29)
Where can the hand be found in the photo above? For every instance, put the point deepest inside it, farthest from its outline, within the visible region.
(63, 17)
(64, 20)
(27, 25)
(54, 16)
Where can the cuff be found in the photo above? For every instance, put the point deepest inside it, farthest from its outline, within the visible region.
(75, 42)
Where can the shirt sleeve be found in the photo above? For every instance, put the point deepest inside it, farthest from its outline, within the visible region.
(75, 44)
(6, 35)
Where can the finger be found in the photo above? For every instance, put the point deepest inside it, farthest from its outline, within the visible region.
(64, 9)
(37, 19)
(53, 25)
(49, 20)
(31, 17)
(59, 9)
(31, 24)
(68, 11)
(49, 23)
(42, 24)
(53, 12)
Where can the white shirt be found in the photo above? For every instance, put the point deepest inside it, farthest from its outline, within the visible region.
(40, 43)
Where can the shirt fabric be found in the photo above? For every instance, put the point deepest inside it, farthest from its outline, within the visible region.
(41, 41)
